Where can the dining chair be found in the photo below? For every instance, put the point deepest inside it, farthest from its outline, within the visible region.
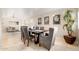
(31, 34)
(46, 41)
(25, 34)
(41, 28)
(22, 34)
(37, 28)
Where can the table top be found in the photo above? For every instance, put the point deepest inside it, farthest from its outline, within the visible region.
(38, 30)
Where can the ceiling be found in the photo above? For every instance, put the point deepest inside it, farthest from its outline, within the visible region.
(38, 11)
(29, 12)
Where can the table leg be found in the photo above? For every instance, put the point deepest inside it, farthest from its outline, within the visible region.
(36, 39)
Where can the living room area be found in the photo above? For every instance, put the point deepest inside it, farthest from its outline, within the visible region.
(39, 20)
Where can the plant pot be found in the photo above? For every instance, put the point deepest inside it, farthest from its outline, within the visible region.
(70, 39)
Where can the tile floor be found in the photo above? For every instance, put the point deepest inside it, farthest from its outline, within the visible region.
(12, 42)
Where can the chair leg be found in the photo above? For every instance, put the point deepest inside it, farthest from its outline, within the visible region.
(24, 41)
(39, 44)
(35, 40)
(48, 49)
(27, 42)
(21, 37)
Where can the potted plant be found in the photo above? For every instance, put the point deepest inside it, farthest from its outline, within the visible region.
(69, 21)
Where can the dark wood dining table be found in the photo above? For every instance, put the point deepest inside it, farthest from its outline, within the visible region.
(37, 32)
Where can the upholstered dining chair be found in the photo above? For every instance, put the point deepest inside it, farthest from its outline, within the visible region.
(41, 28)
(37, 28)
(25, 34)
(46, 41)
(22, 34)
(32, 35)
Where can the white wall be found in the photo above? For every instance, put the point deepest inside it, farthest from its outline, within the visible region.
(78, 19)
(61, 11)
(78, 26)
(0, 34)
(24, 18)
(0, 28)
(15, 14)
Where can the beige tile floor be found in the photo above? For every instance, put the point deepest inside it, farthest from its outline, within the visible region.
(11, 41)
(61, 45)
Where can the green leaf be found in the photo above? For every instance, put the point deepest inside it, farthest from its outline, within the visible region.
(69, 21)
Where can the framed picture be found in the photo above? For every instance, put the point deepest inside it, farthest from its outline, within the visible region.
(46, 20)
(39, 21)
(56, 19)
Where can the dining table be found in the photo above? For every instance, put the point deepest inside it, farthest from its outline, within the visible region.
(37, 33)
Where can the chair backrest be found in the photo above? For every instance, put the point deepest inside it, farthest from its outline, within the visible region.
(25, 31)
(51, 30)
(50, 37)
(37, 28)
(22, 31)
(30, 29)
(41, 28)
